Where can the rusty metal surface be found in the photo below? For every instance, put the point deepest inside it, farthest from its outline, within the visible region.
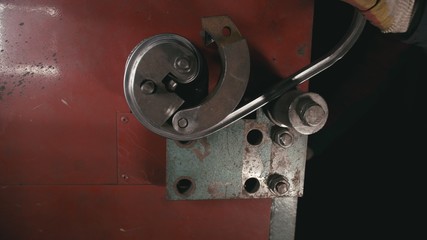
(220, 165)
(61, 96)
(213, 164)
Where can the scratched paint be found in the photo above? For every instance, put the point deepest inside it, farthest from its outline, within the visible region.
(220, 164)
(214, 164)
(204, 150)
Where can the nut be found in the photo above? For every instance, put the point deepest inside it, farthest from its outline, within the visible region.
(283, 137)
(278, 184)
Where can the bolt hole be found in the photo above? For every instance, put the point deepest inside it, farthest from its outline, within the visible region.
(254, 137)
(184, 186)
(226, 31)
(251, 185)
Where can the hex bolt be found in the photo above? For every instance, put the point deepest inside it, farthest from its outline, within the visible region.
(311, 113)
(304, 112)
(286, 139)
(282, 188)
(283, 137)
(182, 64)
(182, 123)
(148, 87)
(278, 184)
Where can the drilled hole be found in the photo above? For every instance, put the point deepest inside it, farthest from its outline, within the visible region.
(184, 186)
(254, 137)
(226, 31)
(251, 185)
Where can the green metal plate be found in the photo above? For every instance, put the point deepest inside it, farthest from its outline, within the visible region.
(219, 165)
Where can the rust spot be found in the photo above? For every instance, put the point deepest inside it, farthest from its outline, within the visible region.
(283, 163)
(21, 24)
(296, 179)
(273, 154)
(202, 154)
(214, 190)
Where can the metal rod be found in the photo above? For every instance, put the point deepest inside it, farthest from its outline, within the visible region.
(355, 30)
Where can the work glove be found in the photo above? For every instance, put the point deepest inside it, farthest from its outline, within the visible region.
(390, 16)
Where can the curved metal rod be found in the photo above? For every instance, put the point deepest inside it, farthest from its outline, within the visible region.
(355, 30)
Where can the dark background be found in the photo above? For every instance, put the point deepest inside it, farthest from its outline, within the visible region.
(366, 178)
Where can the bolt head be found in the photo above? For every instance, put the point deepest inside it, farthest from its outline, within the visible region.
(278, 184)
(313, 115)
(282, 187)
(148, 87)
(182, 64)
(182, 123)
(283, 137)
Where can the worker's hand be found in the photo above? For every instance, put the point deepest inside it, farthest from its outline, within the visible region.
(390, 16)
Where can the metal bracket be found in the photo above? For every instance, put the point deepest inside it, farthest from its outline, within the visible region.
(154, 70)
(234, 54)
(160, 67)
(242, 161)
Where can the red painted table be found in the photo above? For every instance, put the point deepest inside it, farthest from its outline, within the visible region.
(74, 163)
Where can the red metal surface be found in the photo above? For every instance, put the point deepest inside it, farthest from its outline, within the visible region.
(61, 103)
(124, 212)
(140, 153)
